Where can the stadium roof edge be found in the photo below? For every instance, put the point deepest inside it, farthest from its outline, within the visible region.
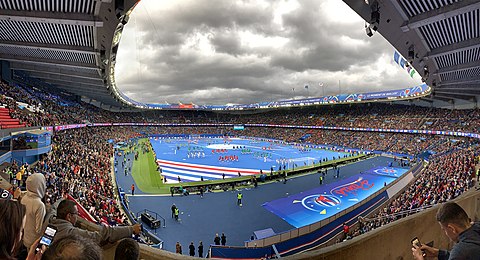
(82, 38)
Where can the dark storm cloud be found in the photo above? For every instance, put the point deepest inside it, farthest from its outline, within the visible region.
(326, 44)
(227, 42)
(185, 17)
(204, 52)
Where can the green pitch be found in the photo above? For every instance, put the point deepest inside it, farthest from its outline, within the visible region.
(145, 174)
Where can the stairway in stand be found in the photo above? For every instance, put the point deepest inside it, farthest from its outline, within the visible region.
(6, 121)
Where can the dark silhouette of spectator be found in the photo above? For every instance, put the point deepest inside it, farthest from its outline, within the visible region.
(191, 249)
(127, 249)
(223, 239)
(200, 249)
(12, 213)
(216, 240)
(173, 210)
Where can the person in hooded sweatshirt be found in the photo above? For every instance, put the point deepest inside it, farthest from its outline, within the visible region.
(35, 208)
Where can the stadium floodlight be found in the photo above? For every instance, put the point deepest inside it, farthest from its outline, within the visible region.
(374, 16)
(411, 54)
(368, 31)
(426, 73)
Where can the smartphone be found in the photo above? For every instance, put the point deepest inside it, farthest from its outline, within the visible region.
(47, 237)
(416, 242)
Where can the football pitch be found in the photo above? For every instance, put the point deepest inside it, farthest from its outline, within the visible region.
(213, 159)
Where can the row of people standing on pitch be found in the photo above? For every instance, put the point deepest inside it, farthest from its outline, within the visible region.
(191, 249)
(217, 240)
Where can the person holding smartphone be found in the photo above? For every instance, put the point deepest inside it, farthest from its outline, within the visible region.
(455, 223)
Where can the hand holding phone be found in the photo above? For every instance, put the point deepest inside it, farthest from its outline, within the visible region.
(47, 237)
(416, 242)
(33, 254)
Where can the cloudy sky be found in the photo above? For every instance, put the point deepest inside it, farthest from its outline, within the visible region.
(248, 51)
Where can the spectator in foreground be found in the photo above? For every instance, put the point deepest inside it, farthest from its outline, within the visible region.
(127, 249)
(12, 215)
(73, 247)
(455, 223)
(67, 214)
(35, 208)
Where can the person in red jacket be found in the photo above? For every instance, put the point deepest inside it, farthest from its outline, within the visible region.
(346, 229)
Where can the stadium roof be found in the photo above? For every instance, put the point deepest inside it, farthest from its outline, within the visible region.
(68, 43)
(442, 37)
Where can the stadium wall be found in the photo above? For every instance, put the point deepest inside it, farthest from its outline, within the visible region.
(392, 241)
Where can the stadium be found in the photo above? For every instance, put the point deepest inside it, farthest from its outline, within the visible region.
(354, 175)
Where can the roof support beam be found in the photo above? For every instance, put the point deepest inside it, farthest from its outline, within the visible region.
(70, 64)
(50, 47)
(426, 100)
(459, 86)
(456, 96)
(458, 67)
(453, 48)
(51, 17)
(100, 96)
(441, 13)
(474, 91)
(65, 78)
(73, 84)
(443, 98)
(471, 80)
(463, 93)
(78, 73)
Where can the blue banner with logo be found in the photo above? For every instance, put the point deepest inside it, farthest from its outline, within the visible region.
(327, 200)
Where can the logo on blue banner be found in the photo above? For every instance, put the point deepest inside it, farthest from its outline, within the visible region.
(319, 202)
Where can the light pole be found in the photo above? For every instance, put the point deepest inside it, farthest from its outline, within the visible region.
(322, 86)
